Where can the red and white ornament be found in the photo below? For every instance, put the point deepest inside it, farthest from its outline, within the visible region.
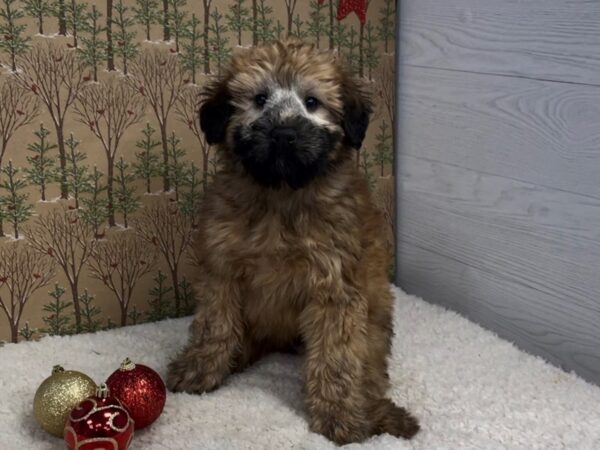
(141, 390)
(100, 422)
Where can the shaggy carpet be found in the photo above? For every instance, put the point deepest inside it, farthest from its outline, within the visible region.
(470, 389)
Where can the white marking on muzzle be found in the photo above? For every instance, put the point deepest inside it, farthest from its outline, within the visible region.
(286, 103)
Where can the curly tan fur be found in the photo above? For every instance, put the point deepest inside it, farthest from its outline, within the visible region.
(278, 265)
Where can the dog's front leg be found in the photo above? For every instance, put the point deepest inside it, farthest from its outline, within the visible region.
(215, 336)
(334, 330)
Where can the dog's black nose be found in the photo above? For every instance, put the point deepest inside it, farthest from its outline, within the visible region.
(283, 136)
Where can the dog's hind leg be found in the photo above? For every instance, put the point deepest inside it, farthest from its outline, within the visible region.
(216, 335)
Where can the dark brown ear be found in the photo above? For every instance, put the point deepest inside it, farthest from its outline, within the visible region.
(215, 112)
(356, 113)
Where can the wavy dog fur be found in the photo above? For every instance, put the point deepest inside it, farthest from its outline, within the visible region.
(289, 246)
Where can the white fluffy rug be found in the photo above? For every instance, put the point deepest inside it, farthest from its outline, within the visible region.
(470, 389)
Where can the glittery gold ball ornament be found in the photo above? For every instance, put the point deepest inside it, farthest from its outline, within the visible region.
(58, 395)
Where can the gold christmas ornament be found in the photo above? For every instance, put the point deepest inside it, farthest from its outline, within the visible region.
(58, 395)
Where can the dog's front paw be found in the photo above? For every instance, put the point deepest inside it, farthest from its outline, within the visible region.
(341, 430)
(187, 376)
(396, 420)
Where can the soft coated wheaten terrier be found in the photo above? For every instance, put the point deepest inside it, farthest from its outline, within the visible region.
(289, 245)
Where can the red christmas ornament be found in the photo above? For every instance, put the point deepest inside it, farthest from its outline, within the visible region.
(345, 7)
(141, 390)
(99, 423)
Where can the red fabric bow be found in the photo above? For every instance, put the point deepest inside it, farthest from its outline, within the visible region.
(345, 7)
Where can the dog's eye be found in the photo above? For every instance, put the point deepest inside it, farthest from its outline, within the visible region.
(260, 100)
(311, 103)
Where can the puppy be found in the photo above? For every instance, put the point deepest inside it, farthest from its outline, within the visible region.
(289, 245)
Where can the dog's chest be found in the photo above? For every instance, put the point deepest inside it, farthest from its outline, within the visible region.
(283, 265)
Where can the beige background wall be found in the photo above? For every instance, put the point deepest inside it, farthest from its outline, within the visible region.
(127, 259)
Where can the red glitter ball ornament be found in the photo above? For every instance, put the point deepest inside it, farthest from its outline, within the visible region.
(100, 422)
(141, 390)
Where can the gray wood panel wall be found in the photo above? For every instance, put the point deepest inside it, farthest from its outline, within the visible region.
(498, 168)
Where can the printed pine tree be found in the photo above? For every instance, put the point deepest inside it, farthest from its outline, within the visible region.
(191, 56)
(331, 25)
(146, 14)
(89, 313)
(386, 31)
(110, 324)
(110, 39)
(383, 148)
(371, 54)
(15, 208)
(298, 29)
(177, 165)
(13, 41)
(218, 42)
(94, 48)
(213, 164)
(206, 35)
(188, 297)
(188, 204)
(264, 22)
(95, 208)
(254, 23)
(134, 316)
(361, 51)
(27, 332)
(76, 17)
(238, 20)
(126, 47)
(164, 21)
(160, 299)
(57, 322)
(77, 175)
(278, 30)
(340, 37)
(317, 26)
(350, 55)
(366, 164)
(176, 20)
(126, 201)
(147, 165)
(59, 11)
(42, 167)
(38, 9)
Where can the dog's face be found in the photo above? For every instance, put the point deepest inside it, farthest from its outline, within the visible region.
(287, 112)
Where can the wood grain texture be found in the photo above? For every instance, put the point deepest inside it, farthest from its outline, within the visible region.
(543, 39)
(501, 305)
(544, 243)
(498, 164)
(534, 131)
(505, 226)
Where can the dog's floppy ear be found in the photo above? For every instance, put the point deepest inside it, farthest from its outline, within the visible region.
(356, 112)
(215, 112)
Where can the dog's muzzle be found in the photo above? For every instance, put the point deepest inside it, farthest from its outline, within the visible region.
(283, 138)
(293, 152)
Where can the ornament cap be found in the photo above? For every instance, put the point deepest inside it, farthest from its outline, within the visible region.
(102, 391)
(127, 364)
(57, 369)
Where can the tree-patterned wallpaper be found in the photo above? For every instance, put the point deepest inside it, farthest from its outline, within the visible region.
(102, 160)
